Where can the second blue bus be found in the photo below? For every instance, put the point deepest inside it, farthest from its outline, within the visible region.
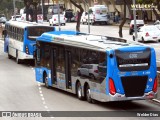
(20, 38)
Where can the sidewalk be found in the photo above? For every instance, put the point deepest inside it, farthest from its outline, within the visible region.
(128, 22)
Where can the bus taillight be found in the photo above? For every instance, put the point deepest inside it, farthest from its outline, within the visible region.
(155, 85)
(112, 88)
(27, 50)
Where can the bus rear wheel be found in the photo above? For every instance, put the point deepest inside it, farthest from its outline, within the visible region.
(88, 95)
(17, 59)
(9, 56)
(79, 91)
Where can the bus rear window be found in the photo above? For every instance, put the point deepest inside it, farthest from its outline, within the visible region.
(34, 32)
(133, 61)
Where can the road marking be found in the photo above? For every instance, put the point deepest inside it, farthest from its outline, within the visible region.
(46, 107)
(41, 95)
(42, 98)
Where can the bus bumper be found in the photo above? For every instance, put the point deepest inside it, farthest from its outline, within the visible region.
(120, 97)
(23, 56)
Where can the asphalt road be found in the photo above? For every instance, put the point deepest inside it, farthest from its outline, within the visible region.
(20, 92)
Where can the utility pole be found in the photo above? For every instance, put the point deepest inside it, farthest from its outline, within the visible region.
(59, 24)
(42, 8)
(134, 15)
(14, 9)
(85, 1)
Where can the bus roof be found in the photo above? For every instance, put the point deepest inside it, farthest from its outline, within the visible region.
(22, 24)
(77, 39)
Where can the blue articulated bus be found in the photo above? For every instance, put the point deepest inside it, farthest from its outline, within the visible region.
(20, 38)
(96, 67)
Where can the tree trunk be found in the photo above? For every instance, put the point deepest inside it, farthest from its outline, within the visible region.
(157, 2)
(27, 4)
(79, 14)
(123, 21)
(43, 9)
(156, 14)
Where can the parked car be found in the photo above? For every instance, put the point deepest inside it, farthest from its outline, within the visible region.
(69, 15)
(139, 23)
(23, 17)
(148, 33)
(84, 18)
(97, 14)
(89, 70)
(18, 18)
(2, 18)
(54, 20)
(157, 24)
(39, 18)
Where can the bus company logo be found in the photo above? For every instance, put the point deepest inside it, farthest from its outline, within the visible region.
(133, 55)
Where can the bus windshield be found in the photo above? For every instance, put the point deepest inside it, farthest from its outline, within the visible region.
(34, 32)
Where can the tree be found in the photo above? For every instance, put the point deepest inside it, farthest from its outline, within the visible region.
(29, 10)
(155, 2)
(27, 4)
(123, 21)
(75, 3)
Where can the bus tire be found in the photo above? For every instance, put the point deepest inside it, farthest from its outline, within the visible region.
(143, 40)
(92, 76)
(17, 59)
(133, 38)
(45, 78)
(79, 91)
(88, 95)
(9, 56)
(79, 73)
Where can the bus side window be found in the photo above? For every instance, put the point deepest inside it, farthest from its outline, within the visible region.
(102, 66)
(38, 57)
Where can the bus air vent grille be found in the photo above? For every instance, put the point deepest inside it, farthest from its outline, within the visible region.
(134, 86)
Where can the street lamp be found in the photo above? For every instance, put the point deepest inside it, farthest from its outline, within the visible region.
(57, 2)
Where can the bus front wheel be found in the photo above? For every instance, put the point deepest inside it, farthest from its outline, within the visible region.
(46, 80)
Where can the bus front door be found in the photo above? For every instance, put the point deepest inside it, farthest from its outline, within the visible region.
(68, 70)
(53, 67)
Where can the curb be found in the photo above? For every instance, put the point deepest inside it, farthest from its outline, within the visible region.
(127, 26)
(156, 100)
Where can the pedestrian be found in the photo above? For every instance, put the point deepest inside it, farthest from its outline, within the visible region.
(117, 15)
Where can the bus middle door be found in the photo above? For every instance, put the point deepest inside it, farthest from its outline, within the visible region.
(68, 69)
(53, 66)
